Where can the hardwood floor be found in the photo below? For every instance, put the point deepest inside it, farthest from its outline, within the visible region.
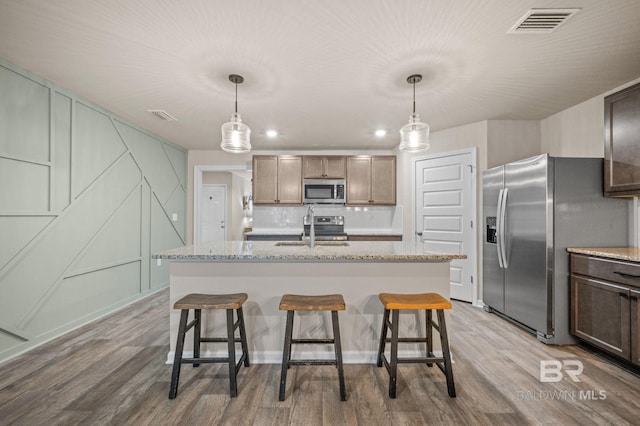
(113, 372)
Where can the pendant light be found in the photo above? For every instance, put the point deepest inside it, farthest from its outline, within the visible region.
(414, 136)
(235, 134)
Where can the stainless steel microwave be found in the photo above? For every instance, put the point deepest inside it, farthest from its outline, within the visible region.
(324, 191)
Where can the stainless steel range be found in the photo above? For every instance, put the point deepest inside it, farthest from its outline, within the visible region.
(327, 228)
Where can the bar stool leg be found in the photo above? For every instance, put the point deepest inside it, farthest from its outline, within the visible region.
(393, 370)
(243, 336)
(429, 334)
(338, 349)
(383, 337)
(286, 354)
(177, 360)
(197, 334)
(231, 344)
(444, 341)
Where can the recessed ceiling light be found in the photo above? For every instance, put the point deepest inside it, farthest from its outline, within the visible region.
(381, 132)
(272, 133)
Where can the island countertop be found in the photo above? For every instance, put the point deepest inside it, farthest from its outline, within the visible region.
(269, 251)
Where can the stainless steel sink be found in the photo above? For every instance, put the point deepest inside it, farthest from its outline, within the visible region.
(318, 243)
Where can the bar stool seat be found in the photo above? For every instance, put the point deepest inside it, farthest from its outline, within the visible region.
(197, 302)
(292, 303)
(393, 304)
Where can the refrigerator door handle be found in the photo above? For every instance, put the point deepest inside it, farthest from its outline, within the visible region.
(503, 229)
(499, 229)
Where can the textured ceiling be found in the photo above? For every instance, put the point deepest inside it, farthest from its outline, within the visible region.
(325, 74)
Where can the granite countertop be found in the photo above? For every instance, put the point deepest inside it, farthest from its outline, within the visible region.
(260, 251)
(631, 254)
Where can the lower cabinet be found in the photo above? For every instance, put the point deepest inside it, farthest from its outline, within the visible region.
(604, 305)
(635, 326)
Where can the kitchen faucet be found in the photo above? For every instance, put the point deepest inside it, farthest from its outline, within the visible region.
(312, 229)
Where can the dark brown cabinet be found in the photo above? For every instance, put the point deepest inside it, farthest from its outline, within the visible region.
(634, 294)
(324, 167)
(622, 143)
(604, 304)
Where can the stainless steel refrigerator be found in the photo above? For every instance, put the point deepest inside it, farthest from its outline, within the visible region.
(533, 210)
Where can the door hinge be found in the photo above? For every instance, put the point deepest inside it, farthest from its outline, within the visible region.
(471, 224)
(471, 279)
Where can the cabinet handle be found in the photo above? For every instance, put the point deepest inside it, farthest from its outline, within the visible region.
(622, 294)
(623, 275)
(633, 297)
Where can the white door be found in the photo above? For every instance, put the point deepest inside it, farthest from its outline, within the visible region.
(213, 209)
(445, 214)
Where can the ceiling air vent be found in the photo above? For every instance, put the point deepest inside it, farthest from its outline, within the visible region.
(162, 115)
(542, 20)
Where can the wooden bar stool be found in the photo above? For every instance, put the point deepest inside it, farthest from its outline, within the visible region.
(197, 302)
(394, 303)
(292, 303)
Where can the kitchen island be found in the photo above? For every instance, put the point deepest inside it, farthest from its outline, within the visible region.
(266, 270)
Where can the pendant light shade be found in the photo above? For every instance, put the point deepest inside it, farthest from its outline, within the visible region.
(236, 136)
(414, 136)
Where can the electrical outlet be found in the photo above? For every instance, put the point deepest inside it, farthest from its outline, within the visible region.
(175, 217)
(159, 262)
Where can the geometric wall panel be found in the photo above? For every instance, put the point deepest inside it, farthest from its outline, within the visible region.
(61, 169)
(17, 232)
(177, 161)
(83, 206)
(152, 159)
(24, 117)
(163, 237)
(24, 187)
(117, 242)
(37, 271)
(95, 146)
(82, 295)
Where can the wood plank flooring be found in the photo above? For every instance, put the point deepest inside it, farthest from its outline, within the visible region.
(113, 372)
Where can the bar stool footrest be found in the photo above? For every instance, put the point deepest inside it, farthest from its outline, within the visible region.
(312, 341)
(312, 362)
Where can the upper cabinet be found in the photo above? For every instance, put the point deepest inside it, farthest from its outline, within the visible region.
(622, 143)
(371, 180)
(324, 167)
(277, 179)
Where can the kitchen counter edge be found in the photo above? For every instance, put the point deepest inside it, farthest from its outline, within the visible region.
(630, 254)
(265, 251)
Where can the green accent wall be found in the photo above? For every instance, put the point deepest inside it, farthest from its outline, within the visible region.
(85, 199)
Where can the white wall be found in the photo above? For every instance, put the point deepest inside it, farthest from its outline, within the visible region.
(577, 131)
(511, 140)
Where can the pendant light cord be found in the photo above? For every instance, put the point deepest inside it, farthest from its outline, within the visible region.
(414, 88)
(414, 97)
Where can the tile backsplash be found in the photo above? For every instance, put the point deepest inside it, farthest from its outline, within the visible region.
(386, 219)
